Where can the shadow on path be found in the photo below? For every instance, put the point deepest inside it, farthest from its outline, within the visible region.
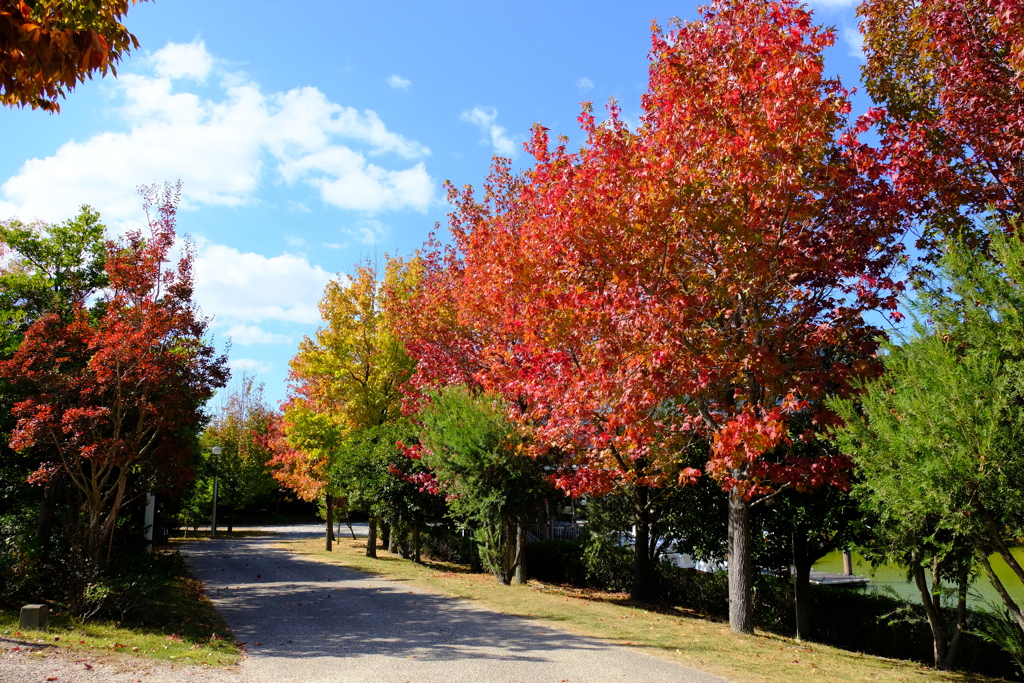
(325, 610)
(292, 608)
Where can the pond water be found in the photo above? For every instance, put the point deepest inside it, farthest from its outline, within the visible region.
(889, 579)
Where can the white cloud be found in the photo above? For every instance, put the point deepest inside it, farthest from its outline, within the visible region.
(481, 117)
(399, 83)
(585, 84)
(484, 118)
(247, 335)
(854, 42)
(246, 288)
(256, 366)
(503, 145)
(183, 60)
(305, 120)
(347, 181)
(368, 231)
(221, 147)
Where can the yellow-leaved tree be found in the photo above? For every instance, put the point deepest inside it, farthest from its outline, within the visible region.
(346, 383)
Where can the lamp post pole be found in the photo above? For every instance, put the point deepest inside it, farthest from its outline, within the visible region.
(216, 462)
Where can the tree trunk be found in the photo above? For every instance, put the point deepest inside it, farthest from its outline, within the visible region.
(741, 602)
(963, 583)
(642, 569)
(1008, 601)
(416, 542)
(802, 584)
(402, 539)
(47, 512)
(933, 610)
(385, 534)
(330, 522)
(477, 564)
(393, 541)
(371, 538)
(506, 548)
(643, 563)
(521, 577)
(996, 537)
(106, 527)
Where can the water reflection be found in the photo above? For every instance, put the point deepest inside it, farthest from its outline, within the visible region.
(889, 578)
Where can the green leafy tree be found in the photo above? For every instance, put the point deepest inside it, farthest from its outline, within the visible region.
(798, 528)
(937, 437)
(378, 469)
(51, 268)
(480, 460)
(239, 427)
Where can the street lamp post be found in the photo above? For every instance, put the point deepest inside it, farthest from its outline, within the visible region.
(216, 462)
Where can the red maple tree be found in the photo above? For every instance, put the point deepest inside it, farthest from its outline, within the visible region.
(702, 277)
(113, 389)
(430, 322)
(948, 74)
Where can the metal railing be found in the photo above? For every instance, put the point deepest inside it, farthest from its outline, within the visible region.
(561, 531)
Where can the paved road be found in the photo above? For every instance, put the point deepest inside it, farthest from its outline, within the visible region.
(309, 621)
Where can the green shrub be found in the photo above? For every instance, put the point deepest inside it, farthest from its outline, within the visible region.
(448, 545)
(999, 628)
(118, 592)
(847, 618)
(707, 593)
(703, 592)
(892, 627)
(557, 561)
(609, 565)
(20, 568)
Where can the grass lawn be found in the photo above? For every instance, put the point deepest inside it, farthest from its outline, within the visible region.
(181, 625)
(673, 633)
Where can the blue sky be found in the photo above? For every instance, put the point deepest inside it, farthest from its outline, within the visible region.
(307, 141)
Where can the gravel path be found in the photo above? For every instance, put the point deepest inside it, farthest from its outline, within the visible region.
(304, 620)
(42, 665)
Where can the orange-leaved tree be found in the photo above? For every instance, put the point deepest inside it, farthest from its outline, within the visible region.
(47, 47)
(303, 473)
(551, 349)
(704, 277)
(783, 232)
